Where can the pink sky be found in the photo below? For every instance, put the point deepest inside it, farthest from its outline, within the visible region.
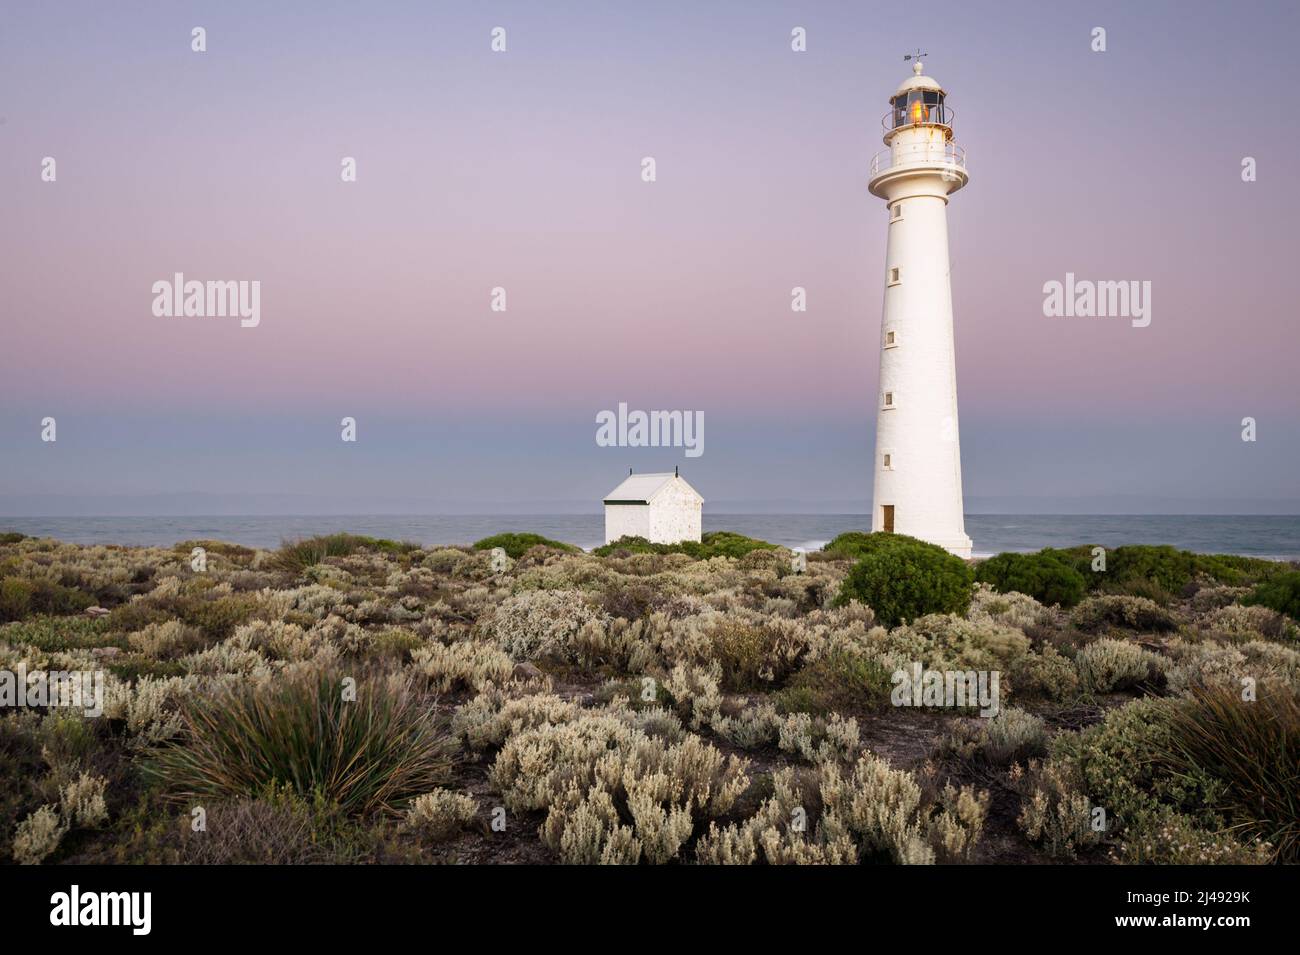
(521, 170)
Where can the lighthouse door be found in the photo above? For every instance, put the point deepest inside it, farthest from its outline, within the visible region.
(887, 517)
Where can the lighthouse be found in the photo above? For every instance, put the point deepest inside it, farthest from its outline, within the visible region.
(918, 455)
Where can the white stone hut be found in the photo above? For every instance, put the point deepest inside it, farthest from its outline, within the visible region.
(662, 508)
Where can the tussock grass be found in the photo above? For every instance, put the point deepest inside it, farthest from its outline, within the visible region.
(1253, 747)
(369, 755)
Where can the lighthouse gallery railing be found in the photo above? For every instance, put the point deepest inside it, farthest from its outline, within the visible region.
(918, 154)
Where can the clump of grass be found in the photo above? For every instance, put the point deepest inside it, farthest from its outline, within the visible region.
(516, 544)
(1253, 748)
(303, 732)
(296, 556)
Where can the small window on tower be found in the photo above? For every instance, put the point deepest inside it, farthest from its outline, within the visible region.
(895, 212)
(889, 399)
(894, 278)
(887, 461)
(891, 339)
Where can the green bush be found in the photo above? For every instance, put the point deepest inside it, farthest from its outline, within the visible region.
(902, 578)
(62, 633)
(753, 656)
(373, 753)
(20, 597)
(217, 617)
(854, 545)
(1138, 587)
(1164, 771)
(840, 680)
(517, 544)
(712, 544)
(1080, 557)
(1165, 566)
(1237, 571)
(1120, 766)
(1043, 576)
(296, 556)
(633, 544)
(729, 544)
(1171, 570)
(1281, 593)
(15, 598)
(725, 544)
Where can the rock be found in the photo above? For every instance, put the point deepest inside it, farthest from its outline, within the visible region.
(96, 612)
(526, 671)
(105, 651)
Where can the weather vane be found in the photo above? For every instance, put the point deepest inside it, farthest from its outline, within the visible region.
(914, 56)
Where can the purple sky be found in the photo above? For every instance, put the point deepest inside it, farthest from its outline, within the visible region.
(522, 170)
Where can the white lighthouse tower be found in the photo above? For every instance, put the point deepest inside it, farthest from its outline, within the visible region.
(918, 456)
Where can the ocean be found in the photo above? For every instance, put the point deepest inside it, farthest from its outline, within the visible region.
(1254, 535)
